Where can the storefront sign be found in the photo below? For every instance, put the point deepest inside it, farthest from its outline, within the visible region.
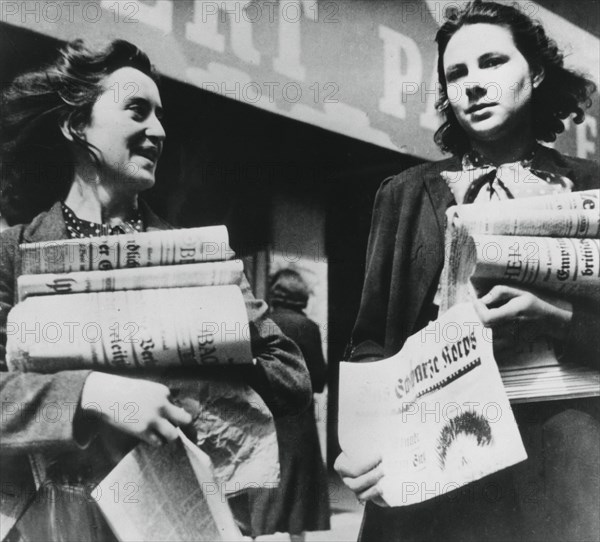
(361, 68)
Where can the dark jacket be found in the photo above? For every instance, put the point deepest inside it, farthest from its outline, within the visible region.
(279, 376)
(305, 333)
(405, 256)
(404, 261)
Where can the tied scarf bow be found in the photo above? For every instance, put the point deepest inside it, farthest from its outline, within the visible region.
(485, 183)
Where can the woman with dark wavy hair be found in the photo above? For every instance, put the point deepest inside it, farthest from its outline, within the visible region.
(43, 112)
(559, 94)
(504, 89)
(81, 140)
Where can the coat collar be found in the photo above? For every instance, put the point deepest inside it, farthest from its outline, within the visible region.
(50, 225)
(547, 159)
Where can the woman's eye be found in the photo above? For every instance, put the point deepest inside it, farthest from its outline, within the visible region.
(493, 62)
(137, 110)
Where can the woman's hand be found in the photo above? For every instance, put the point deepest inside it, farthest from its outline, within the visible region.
(152, 418)
(514, 313)
(361, 478)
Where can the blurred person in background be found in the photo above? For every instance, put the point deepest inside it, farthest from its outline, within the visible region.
(301, 501)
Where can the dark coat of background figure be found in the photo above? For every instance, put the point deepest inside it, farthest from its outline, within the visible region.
(538, 499)
(301, 501)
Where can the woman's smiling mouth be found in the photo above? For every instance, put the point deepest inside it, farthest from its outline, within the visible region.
(151, 153)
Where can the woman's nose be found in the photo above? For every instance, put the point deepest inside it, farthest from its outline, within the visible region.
(155, 129)
(475, 91)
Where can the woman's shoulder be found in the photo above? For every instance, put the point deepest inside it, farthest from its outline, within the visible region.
(48, 225)
(280, 312)
(151, 219)
(18, 232)
(413, 178)
(583, 172)
(43, 225)
(10, 238)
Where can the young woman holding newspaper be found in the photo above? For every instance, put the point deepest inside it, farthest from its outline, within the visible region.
(503, 89)
(81, 141)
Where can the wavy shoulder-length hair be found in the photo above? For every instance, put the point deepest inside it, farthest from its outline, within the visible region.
(36, 164)
(561, 94)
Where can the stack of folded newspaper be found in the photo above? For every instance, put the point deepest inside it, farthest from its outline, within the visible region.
(548, 244)
(150, 300)
(145, 302)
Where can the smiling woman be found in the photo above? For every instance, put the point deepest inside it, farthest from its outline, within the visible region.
(124, 134)
(80, 141)
(74, 131)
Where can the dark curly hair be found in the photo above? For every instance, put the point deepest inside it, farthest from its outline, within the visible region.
(36, 164)
(561, 93)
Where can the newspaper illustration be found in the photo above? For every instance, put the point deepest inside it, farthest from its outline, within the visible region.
(436, 412)
(166, 493)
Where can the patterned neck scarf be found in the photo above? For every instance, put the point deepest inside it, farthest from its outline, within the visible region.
(479, 181)
(78, 228)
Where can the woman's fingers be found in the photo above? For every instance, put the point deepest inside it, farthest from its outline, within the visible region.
(164, 429)
(502, 304)
(176, 414)
(156, 417)
(373, 494)
(151, 438)
(361, 477)
(525, 314)
(348, 467)
(507, 313)
(363, 483)
(501, 294)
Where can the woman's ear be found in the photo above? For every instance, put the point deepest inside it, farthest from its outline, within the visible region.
(70, 128)
(538, 77)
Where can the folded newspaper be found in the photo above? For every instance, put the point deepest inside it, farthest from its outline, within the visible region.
(166, 493)
(436, 412)
(563, 266)
(128, 250)
(549, 245)
(128, 330)
(137, 278)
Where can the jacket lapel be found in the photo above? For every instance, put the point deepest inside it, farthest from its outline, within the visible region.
(439, 194)
(427, 256)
